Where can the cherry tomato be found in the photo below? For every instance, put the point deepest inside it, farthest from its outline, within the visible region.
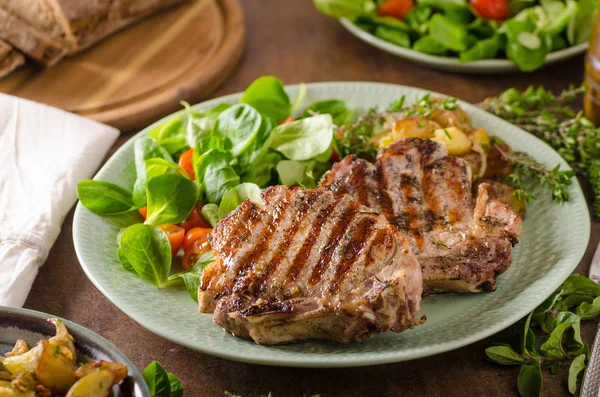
(396, 8)
(495, 10)
(287, 121)
(185, 162)
(195, 244)
(195, 237)
(175, 235)
(143, 212)
(194, 219)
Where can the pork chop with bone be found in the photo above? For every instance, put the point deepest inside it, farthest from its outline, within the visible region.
(309, 264)
(462, 244)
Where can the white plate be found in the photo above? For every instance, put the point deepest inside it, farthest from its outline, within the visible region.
(453, 64)
(553, 241)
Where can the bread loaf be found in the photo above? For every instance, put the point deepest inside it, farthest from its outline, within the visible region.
(29, 40)
(5, 48)
(87, 22)
(37, 14)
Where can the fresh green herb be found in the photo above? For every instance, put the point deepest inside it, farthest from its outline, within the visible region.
(104, 198)
(191, 277)
(337, 109)
(524, 166)
(240, 124)
(551, 335)
(161, 383)
(552, 119)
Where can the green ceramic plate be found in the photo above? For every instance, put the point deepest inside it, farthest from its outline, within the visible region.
(453, 64)
(553, 241)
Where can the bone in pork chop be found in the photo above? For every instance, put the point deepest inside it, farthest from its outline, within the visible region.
(308, 264)
(460, 243)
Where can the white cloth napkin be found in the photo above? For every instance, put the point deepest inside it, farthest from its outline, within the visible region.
(44, 153)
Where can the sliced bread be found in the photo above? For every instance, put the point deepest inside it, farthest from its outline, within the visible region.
(39, 15)
(29, 40)
(10, 62)
(5, 48)
(87, 22)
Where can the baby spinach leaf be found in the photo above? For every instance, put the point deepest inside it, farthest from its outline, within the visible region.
(240, 124)
(104, 198)
(588, 311)
(210, 212)
(157, 166)
(170, 135)
(294, 173)
(176, 387)
(157, 380)
(199, 125)
(258, 147)
(121, 254)
(429, 45)
(260, 172)
(576, 369)
(143, 149)
(529, 382)
(171, 198)
(148, 251)
(338, 110)
(266, 94)
(304, 138)
(450, 34)
(237, 195)
(394, 36)
(504, 355)
(525, 46)
(483, 49)
(217, 175)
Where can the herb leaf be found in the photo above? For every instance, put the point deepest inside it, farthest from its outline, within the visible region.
(143, 149)
(529, 382)
(157, 380)
(303, 139)
(576, 368)
(171, 198)
(504, 355)
(266, 94)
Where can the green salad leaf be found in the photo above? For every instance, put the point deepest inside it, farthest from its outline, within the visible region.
(158, 380)
(147, 250)
(191, 277)
(104, 198)
(171, 198)
(338, 110)
(575, 370)
(529, 382)
(210, 212)
(343, 8)
(176, 386)
(304, 138)
(237, 195)
(240, 124)
(580, 26)
(266, 94)
(448, 33)
(143, 149)
(201, 125)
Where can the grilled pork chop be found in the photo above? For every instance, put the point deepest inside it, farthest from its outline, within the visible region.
(460, 243)
(309, 264)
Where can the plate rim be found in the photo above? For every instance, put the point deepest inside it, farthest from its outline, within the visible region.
(453, 64)
(76, 329)
(338, 362)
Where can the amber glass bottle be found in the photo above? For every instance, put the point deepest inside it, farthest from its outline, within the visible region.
(591, 102)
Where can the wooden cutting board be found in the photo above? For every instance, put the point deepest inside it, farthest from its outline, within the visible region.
(141, 74)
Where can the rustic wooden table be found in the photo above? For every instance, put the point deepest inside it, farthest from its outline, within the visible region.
(291, 40)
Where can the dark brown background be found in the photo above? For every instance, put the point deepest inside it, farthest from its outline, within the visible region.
(291, 40)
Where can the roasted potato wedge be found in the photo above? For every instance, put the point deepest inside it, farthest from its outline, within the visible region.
(455, 140)
(118, 369)
(410, 127)
(479, 137)
(55, 367)
(21, 363)
(6, 390)
(452, 118)
(95, 384)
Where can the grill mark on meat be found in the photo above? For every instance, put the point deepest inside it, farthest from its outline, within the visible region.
(385, 201)
(303, 254)
(337, 232)
(298, 213)
(411, 189)
(258, 243)
(358, 238)
(357, 180)
(320, 244)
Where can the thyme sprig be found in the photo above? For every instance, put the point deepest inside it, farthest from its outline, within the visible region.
(553, 119)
